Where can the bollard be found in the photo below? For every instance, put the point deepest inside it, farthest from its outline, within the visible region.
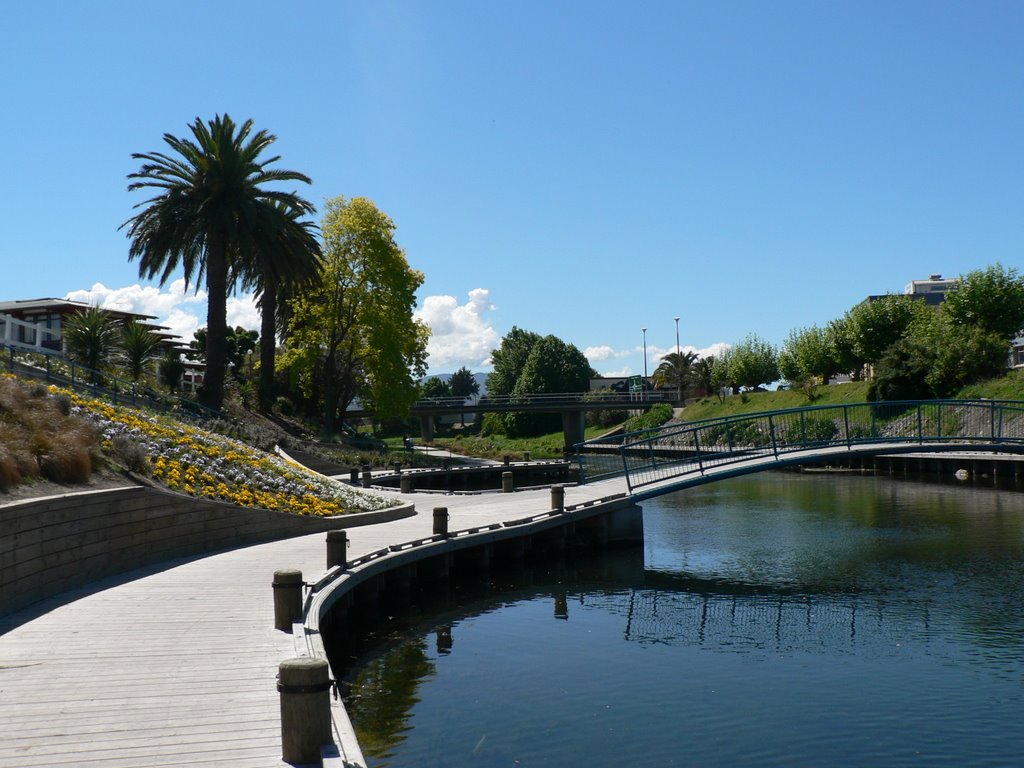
(366, 476)
(508, 459)
(506, 482)
(558, 498)
(305, 688)
(397, 467)
(353, 475)
(287, 599)
(526, 455)
(405, 484)
(337, 546)
(441, 521)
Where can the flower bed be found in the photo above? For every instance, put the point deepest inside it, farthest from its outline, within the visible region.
(204, 464)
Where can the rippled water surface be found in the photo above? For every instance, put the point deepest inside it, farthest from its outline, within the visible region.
(778, 620)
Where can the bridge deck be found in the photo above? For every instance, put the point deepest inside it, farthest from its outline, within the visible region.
(177, 667)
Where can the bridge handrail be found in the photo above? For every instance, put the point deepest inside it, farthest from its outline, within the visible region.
(692, 447)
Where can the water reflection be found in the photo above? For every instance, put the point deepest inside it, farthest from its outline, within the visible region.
(899, 605)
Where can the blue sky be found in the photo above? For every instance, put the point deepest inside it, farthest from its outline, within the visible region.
(578, 168)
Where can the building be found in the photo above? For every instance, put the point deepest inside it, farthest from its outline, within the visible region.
(37, 325)
(933, 290)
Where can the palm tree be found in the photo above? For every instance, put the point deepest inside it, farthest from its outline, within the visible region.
(171, 368)
(703, 374)
(675, 369)
(287, 264)
(211, 207)
(138, 345)
(90, 338)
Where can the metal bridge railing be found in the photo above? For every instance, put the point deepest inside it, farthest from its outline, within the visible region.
(678, 450)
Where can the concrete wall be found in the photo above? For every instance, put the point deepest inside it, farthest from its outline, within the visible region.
(50, 545)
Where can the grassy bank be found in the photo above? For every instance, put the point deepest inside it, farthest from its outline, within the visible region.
(751, 402)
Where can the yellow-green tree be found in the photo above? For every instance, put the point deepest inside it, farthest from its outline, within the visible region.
(354, 334)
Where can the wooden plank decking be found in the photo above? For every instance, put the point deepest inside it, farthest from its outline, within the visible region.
(177, 666)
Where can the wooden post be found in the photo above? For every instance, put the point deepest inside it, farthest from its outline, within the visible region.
(353, 475)
(305, 688)
(337, 546)
(405, 483)
(506, 482)
(558, 498)
(526, 455)
(366, 476)
(287, 599)
(441, 521)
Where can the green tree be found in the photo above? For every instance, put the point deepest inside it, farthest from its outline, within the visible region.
(840, 342)
(990, 299)
(91, 338)
(353, 333)
(874, 326)
(238, 344)
(721, 374)
(463, 384)
(675, 370)
(212, 205)
(508, 360)
(807, 359)
(138, 346)
(753, 362)
(435, 388)
(553, 367)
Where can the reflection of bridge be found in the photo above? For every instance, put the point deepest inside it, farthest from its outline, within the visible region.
(764, 621)
(571, 405)
(682, 455)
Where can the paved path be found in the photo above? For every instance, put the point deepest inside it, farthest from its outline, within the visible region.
(177, 666)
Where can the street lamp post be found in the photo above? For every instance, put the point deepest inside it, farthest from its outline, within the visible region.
(679, 363)
(643, 384)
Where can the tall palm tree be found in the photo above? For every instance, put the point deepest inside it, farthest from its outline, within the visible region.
(675, 369)
(211, 206)
(289, 262)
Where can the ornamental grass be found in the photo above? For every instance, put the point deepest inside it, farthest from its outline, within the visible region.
(41, 438)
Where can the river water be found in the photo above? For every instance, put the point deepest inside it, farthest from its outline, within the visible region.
(775, 620)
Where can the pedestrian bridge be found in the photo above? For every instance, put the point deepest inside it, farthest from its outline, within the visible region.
(681, 455)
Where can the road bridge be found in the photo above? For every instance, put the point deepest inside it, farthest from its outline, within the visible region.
(571, 405)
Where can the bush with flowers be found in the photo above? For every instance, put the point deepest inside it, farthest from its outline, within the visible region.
(204, 464)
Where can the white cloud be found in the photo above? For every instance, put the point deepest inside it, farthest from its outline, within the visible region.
(460, 334)
(620, 374)
(654, 354)
(180, 311)
(604, 352)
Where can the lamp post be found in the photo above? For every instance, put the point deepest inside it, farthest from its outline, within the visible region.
(643, 384)
(679, 363)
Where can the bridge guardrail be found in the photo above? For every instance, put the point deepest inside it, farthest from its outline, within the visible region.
(695, 447)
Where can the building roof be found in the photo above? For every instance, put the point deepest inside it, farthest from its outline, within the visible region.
(62, 306)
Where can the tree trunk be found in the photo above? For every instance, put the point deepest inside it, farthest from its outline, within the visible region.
(216, 323)
(268, 342)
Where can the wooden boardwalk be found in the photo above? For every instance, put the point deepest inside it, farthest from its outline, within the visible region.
(177, 666)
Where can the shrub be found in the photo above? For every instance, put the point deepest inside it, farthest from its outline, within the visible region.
(655, 417)
(815, 429)
(130, 454)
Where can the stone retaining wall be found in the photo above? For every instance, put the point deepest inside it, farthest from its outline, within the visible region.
(50, 545)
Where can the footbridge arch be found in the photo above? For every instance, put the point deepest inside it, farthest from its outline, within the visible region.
(680, 455)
